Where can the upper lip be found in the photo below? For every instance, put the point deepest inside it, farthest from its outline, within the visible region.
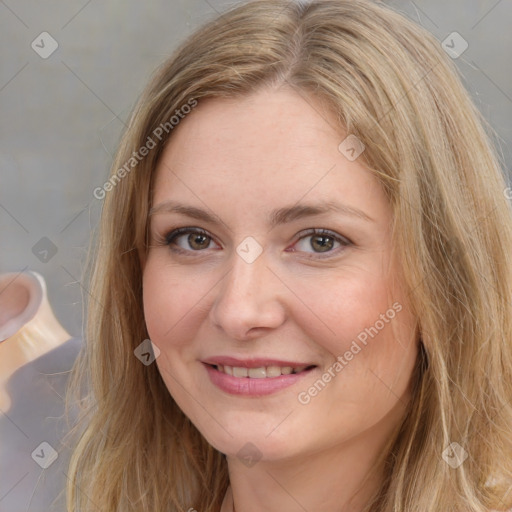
(253, 362)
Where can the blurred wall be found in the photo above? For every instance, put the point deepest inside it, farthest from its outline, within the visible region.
(61, 114)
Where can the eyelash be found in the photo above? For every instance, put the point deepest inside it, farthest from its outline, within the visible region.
(169, 238)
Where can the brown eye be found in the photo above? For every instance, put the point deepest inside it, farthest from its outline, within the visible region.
(317, 241)
(322, 242)
(196, 240)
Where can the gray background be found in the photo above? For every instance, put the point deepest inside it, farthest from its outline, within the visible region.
(61, 117)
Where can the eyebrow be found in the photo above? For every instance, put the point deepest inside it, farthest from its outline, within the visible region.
(276, 217)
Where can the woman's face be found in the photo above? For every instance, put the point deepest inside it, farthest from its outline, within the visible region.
(249, 292)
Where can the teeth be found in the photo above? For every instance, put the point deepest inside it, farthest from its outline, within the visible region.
(240, 372)
(259, 373)
(273, 371)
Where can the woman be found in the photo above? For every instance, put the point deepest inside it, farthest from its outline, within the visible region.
(307, 220)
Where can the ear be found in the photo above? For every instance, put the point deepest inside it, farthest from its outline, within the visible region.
(21, 295)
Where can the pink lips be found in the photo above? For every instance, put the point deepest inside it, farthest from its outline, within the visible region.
(250, 386)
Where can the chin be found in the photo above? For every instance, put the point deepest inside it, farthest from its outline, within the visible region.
(251, 443)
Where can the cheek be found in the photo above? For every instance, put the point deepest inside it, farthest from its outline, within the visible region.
(369, 333)
(170, 302)
(170, 307)
(341, 308)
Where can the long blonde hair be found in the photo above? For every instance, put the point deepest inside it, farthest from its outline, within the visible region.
(391, 84)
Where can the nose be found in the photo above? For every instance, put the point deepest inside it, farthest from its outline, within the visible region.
(250, 300)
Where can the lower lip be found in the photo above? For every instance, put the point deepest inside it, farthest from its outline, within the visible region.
(252, 387)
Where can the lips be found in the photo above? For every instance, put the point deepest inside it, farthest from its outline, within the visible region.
(256, 376)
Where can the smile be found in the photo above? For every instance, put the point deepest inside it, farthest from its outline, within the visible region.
(263, 372)
(255, 381)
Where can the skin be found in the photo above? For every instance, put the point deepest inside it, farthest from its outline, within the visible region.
(240, 159)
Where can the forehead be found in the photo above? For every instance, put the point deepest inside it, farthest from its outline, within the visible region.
(270, 147)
